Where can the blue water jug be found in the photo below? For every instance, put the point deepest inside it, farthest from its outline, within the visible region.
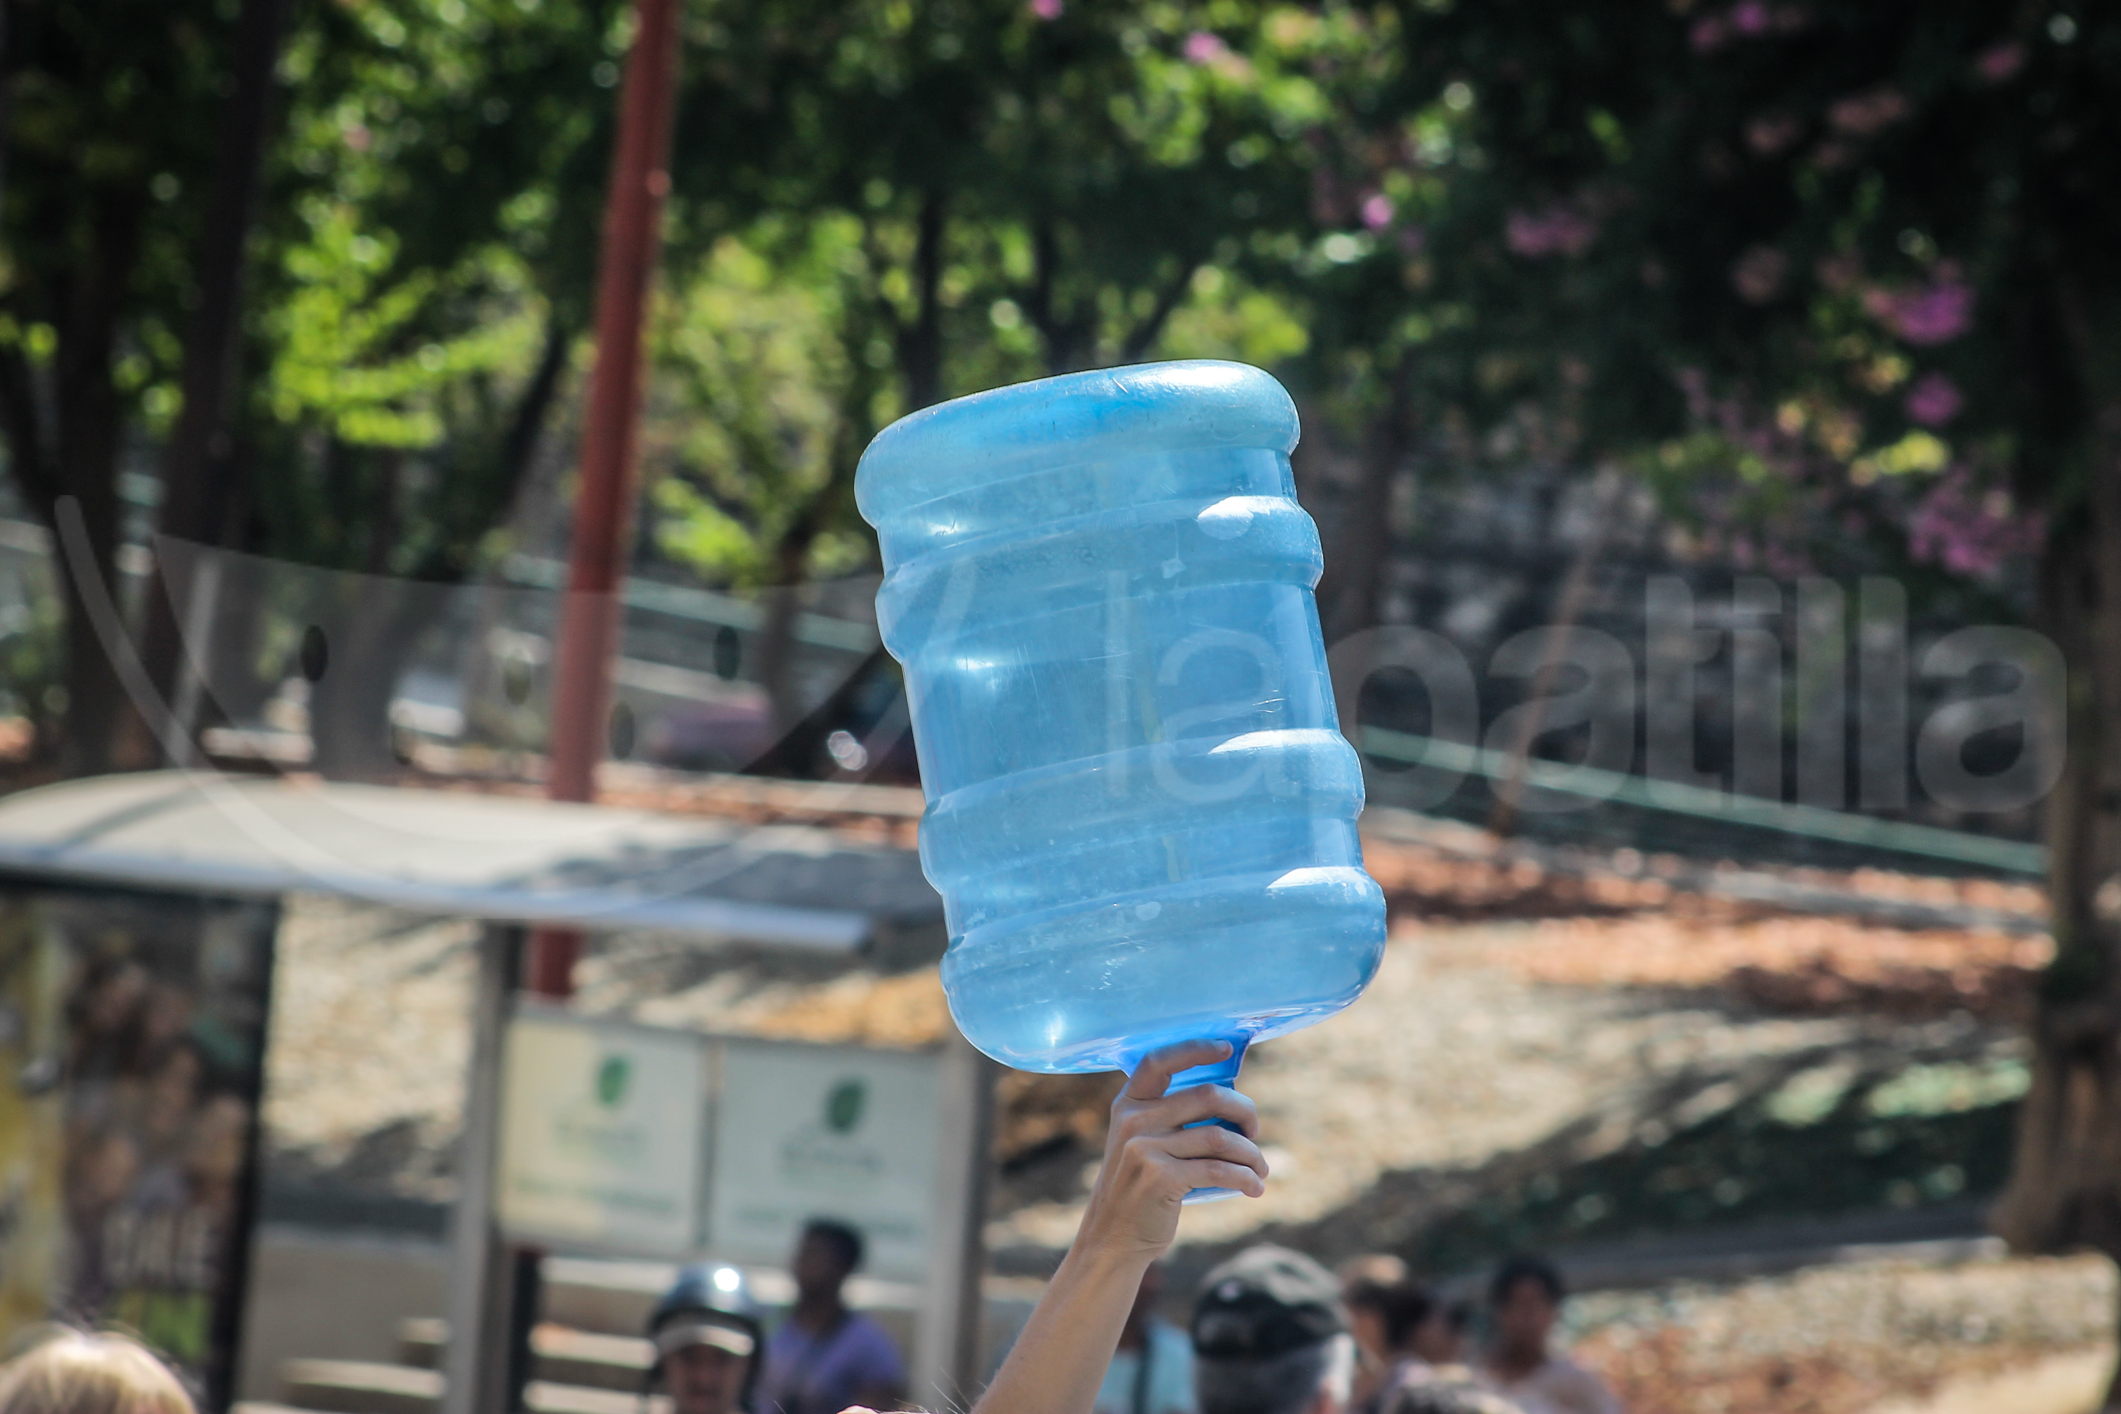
(1141, 812)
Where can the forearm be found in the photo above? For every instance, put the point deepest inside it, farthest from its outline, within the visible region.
(1059, 1360)
(1160, 1147)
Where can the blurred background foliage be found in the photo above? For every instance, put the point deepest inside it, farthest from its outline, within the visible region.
(1836, 282)
(1827, 281)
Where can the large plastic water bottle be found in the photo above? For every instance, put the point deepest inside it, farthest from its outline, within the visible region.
(1141, 812)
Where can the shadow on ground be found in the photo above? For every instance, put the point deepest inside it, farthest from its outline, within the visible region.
(1873, 1133)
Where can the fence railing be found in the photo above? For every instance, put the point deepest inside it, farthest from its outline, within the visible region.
(1676, 798)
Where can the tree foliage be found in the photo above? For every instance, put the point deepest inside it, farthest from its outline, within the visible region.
(1844, 274)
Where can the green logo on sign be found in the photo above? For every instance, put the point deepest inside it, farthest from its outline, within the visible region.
(612, 1076)
(843, 1107)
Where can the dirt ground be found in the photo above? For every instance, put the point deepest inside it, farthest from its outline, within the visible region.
(1546, 1059)
(2068, 1383)
(1842, 1340)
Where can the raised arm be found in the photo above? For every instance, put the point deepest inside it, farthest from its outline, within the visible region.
(1151, 1160)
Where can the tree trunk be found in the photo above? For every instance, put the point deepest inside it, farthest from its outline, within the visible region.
(1503, 818)
(2065, 1186)
(920, 343)
(374, 626)
(195, 469)
(7, 88)
(776, 652)
(233, 690)
(370, 635)
(1143, 336)
(1348, 592)
(1066, 337)
(87, 436)
(795, 754)
(776, 657)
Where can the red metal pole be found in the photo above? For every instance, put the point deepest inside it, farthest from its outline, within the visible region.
(603, 520)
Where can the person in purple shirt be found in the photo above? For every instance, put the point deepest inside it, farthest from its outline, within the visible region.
(825, 1358)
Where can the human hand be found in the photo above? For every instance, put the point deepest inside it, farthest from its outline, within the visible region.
(1152, 1160)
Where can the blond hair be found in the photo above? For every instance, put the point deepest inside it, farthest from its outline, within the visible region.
(79, 1372)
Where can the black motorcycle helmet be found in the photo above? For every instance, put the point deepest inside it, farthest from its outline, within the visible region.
(709, 1304)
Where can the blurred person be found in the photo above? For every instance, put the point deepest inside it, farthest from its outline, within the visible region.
(161, 1124)
(1449, 1394)
(1441, 1339)
(165, 1016)
(1525, 1300)
(826, 1357)
(77, 1372)
(1270, 1336)
(214, 1158)
(99, 1173)
(1156, 1150)
(1152, 1372)
(1371, 1269)
(169, 1095)
(1386, 1319)
(706, 1335)
(1359, 1275)
(105, 1012)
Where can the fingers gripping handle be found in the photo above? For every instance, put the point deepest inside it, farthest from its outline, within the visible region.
(1224, 1073)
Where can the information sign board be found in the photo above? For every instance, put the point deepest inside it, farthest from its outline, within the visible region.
(824, 1131)
(601, 1133)
(672, 1144)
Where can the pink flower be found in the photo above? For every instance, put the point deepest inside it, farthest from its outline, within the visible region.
(1787, 561)
(1969, 533)
(1559, 230)
(1934, 400)
(1694, 385)
(1769, 135)
(1937, 314)
(1997, 65)
(1204, 48)
(1047, 9)
(1331, 200)
(1759, 273)
(1748, 19)
(1377, 211)
(1838, 273)
(1868, 113)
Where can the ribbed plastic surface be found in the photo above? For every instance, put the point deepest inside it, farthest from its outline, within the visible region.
(1141, 813)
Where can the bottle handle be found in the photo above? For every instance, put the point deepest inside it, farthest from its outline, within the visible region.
(1223, 1073)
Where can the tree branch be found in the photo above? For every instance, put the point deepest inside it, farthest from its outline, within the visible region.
(29, 453)
(482, 499)
(1136, 345)
(921, 343)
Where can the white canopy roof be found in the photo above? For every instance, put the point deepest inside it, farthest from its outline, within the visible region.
(494, 857)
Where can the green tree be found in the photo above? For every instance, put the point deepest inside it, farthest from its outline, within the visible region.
(963, 195)
(768, 400)
(1847, 273)
(408, 351)
(109, 145)
(399, 354)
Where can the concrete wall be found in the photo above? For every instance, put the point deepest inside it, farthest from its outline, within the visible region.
(332, 1295)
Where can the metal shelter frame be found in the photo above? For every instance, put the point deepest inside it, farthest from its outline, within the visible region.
(514, 862)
